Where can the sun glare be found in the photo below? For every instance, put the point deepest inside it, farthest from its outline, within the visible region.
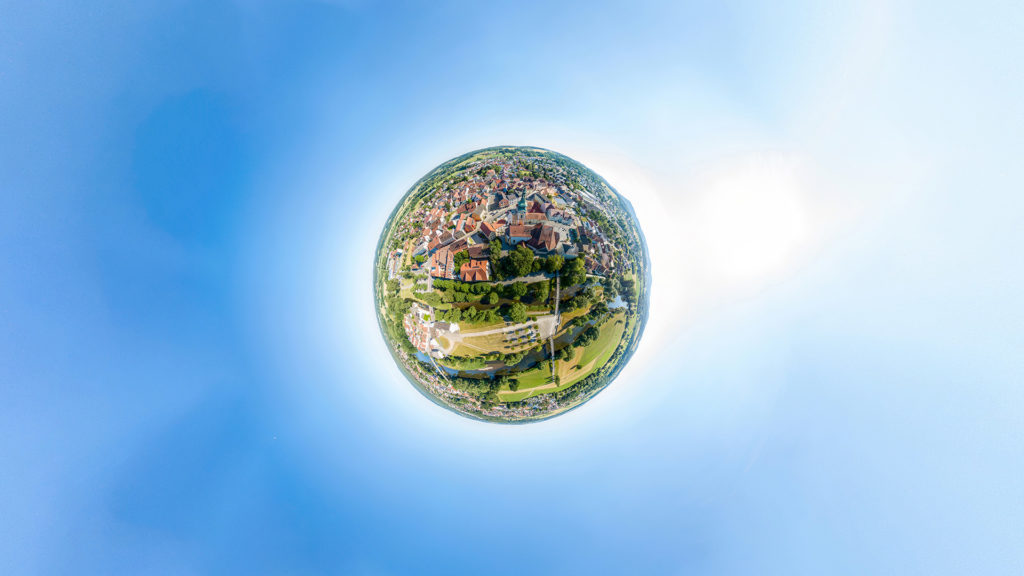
(752, 217)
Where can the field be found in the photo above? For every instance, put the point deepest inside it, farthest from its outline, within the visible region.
(531, 382)
(604, 347)
(536, 381)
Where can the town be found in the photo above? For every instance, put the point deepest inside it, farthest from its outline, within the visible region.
(512, 276)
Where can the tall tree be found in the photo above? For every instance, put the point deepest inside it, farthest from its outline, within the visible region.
(517, 312)
(553, 263)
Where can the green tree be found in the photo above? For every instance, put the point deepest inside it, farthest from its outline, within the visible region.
(520, 260)
(513, 358)
(554, 263)
(573, 272)
(540, 290)
(517, 290)
(495, 257)
(517, 313)
(492, 298)
(587, 337)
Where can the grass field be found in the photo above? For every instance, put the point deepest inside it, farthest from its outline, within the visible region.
(529, 381)
(535, 381)
(473, 328)
(495, 343)
(463, 350)
(604, 346)
(567, 317)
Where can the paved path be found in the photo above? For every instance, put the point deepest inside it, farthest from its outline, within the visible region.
(526, 279)
(551, 337)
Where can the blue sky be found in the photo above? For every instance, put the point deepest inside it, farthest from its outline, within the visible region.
(191, 373)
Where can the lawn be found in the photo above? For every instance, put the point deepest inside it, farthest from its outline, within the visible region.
(470, 329)
(528, 381)
(590, 359)
(495, 343)
(567, 317)
(603, 348)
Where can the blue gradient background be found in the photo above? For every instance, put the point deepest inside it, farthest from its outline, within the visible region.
(191, 376)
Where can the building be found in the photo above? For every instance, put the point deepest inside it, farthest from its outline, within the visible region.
(543, 239)
(487, 230)
(558, 215)
(419, 328)
(533, 218)
(518, 233)
(479, 251)
(442, 264)
(475, 271)
(537, 207)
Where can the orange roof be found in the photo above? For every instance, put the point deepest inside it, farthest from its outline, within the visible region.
(518, 232)
(474, 271)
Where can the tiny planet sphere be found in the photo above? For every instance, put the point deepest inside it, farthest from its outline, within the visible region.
(511, 284)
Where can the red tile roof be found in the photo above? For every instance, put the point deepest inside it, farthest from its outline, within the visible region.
(544, 238)
(475, 271)
(487, 229)
(518, 232)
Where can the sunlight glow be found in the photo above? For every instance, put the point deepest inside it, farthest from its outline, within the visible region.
(752, 217)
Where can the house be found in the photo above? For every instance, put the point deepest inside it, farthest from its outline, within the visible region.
(487, 230)
(446, 326)
(518, 233)
(543, 239)
(538, 207)
(442, 264)
(479, 251)
(557, 215)
(418, 328)
(475, 271)
(478, 212)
